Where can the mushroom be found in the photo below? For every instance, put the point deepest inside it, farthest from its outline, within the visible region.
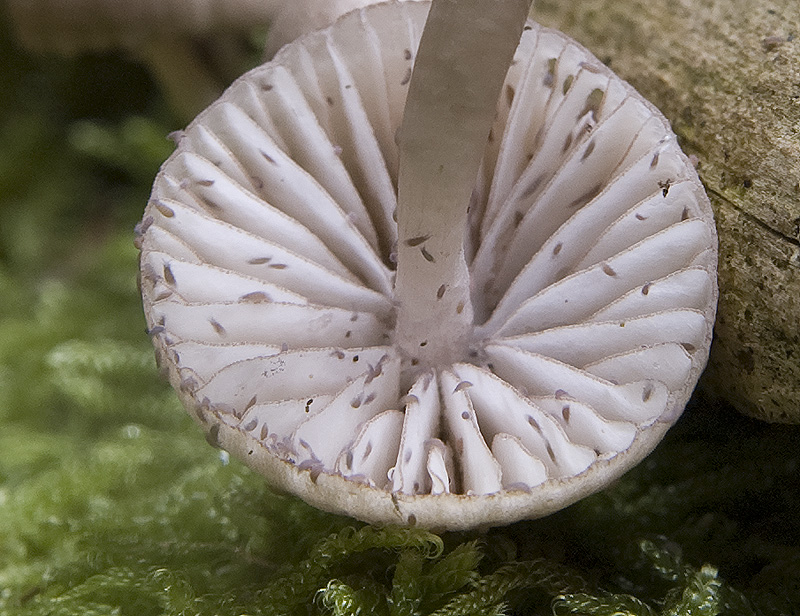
(485, 323)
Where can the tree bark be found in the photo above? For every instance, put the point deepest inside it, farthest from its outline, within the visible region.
(727, 75)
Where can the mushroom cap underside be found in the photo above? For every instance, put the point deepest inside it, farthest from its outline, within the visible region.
(268, 272)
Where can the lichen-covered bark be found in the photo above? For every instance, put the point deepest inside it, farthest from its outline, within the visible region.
(727, 75)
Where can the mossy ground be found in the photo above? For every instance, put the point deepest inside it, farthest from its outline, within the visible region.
(111, 502)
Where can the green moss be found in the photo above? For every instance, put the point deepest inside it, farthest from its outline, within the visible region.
(112, 503)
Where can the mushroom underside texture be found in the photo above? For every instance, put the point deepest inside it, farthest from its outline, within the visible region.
(267, 269)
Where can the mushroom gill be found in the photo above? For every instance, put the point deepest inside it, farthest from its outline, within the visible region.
(268, 265)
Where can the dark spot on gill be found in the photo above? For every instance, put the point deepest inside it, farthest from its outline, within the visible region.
(168, 275)
(593, 103)
(532, 188)
(647, 392)
(586, 197)
(165, 211)
(416, 241)
(509, 95)
(155, 331)
(255, 297)
(654, 160)
(550, 76)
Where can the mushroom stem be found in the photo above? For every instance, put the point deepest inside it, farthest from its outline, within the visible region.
(464, 54)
